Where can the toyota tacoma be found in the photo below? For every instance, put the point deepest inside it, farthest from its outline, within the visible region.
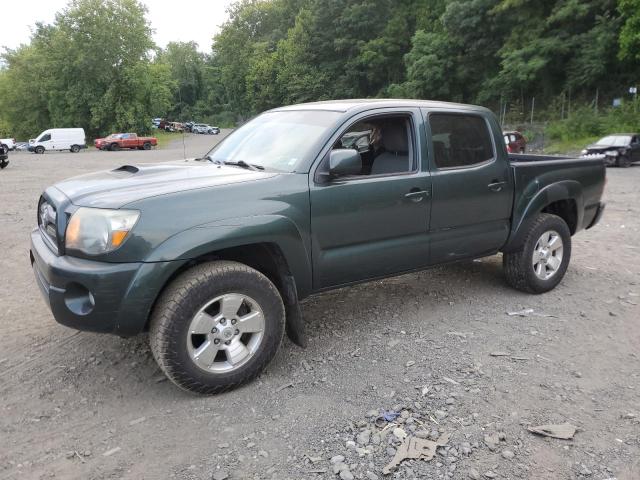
(213, 255)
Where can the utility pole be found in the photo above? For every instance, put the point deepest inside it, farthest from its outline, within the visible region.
(533, 105)
(596, 104)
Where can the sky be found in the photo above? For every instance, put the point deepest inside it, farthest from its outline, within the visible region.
(191, 20)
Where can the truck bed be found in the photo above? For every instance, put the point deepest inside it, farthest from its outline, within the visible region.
(555, 176)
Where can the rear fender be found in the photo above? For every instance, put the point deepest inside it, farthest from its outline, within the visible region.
(526, 209)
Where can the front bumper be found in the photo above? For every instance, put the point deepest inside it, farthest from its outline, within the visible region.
(95, 296)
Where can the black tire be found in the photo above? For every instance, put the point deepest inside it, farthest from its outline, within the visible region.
(623, 161)
(114, 147)
(146, 146)
(185, 296)
(518, 267)
(75, 149)
(39, 150)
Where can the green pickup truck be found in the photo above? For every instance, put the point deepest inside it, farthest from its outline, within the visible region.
(213, 255)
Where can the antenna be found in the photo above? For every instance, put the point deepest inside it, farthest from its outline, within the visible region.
(184, 147)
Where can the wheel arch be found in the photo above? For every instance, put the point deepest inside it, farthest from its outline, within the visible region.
(564, 199)
(265, 257)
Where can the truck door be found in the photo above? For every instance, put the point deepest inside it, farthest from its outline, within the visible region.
(472, 187)
(46, 141)
(373, 223)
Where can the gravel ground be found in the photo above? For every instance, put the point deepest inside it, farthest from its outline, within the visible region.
(436, 347)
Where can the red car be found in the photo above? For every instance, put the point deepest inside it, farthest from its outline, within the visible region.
(116, 141)
(515, 141)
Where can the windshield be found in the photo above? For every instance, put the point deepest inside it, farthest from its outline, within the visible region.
(275, 140)
(615, 140)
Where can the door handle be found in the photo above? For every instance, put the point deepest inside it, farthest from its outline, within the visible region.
(417, 195)
(496, 186)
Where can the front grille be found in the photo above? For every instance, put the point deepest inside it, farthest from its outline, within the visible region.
(47, 219)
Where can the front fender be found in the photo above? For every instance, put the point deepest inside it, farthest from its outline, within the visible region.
(207, 238)
(527, 207)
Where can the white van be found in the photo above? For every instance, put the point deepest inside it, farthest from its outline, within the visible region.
(71, 139)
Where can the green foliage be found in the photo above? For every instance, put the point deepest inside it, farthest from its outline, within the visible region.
(630, 33)
(96, 65)
(585, 123)
(90, 68)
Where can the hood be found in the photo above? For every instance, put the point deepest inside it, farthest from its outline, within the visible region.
(126, 184)
(601, 148)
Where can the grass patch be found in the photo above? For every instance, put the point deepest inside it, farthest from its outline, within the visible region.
(569, 146)
(164, 138)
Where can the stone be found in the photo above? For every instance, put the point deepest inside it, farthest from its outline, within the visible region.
(473, 474)
(346, 475)
(220, 475)
(508, 454)
(399, 433)
(337, 459)
(371, 476)
(364, 437)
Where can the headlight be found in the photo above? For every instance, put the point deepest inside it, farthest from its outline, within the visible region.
(612, 153)
(584, 152)
(96, 230)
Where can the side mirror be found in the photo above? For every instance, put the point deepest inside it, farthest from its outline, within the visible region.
(344, 161)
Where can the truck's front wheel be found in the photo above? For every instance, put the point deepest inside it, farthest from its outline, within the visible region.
(544, 257)
(217, 326)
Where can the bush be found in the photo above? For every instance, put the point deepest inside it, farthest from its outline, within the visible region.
(584, 122)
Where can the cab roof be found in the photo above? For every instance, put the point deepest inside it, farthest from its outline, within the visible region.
(361, 104)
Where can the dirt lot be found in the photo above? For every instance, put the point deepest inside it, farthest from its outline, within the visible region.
(86, 406)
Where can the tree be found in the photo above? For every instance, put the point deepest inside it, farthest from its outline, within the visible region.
(91, 68)
(630, 32)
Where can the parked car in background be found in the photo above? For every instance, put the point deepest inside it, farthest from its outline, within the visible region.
(174, 127)
(10, 143)
(4, 156)
(72, 139)
(188, 126)
(620, 149)
(515, 142)
(117, 141)
(204, 128)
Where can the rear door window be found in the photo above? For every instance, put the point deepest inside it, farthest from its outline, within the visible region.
(460, 140)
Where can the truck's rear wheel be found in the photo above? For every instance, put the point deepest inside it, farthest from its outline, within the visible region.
(217, 326)
(75, 148)
(146, 146)
(544, 257)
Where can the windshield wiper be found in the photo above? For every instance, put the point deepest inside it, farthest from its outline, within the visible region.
(239, 163)
(243, 164)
